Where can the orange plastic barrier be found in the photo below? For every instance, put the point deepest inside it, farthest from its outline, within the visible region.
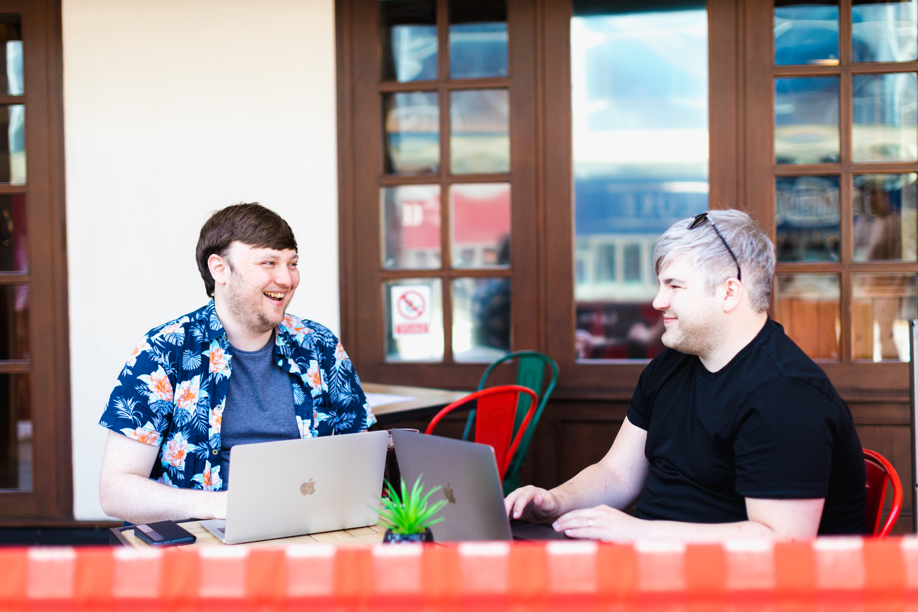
(828, 574)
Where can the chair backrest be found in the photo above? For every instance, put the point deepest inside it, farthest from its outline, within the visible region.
(880, 472)
(496, 408)
(530, 373)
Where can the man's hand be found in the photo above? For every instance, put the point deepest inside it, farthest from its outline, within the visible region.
(532, 504)
(599, 523)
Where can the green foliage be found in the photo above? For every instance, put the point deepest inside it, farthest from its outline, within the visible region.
(409, 513)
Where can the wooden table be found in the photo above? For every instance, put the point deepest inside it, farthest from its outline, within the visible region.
(424, 402)
(362, 536)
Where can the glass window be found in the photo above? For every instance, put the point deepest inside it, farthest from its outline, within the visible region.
(14, 322)
(884, 111)
(16, 465)
(411, 226)
(639, 87)
(806, 120)
(884, 217)
(480, 225)
(477, 39)
(806, 32)
(408, 40)
(481, 319)
(414, 319)
(807, 305)
(412, 133)
(14, 252)
(807, 218)
(479, 131)
(884, 31)
(881, 307)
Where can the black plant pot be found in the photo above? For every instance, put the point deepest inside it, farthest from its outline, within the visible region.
(412, 538)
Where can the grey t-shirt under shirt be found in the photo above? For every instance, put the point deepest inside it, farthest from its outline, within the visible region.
(259, 404)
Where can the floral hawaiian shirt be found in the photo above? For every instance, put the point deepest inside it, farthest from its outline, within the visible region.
(172, 392)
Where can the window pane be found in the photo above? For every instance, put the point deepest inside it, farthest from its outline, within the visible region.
(807, 218)
(639, 87)
(481, 319)
(15, 433)
(806, 32)
(807, 305)
(477, 38)
(884, 112)
(413, 319)
(481, 225)
(884, 31)
(14, 254)
(806, 120)
(412, 139)
(411, 226)
(881, 307)
(14, 322)
(408, 40)
(11, 81)
(884, 217)
(479, 131)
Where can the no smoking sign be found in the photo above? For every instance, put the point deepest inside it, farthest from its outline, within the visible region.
(410, 310)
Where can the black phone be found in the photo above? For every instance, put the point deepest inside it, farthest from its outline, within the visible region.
(163, 533)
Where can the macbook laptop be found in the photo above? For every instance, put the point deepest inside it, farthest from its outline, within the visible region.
(467, 476)
(296, 487)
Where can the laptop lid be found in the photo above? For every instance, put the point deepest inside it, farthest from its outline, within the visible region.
(296, 487)
(467, 475)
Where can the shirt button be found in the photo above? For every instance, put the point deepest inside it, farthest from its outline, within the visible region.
(215, 451)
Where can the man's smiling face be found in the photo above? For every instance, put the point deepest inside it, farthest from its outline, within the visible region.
(690, 312)
(260, 285)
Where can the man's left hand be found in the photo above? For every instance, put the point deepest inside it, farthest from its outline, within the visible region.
(599, 523)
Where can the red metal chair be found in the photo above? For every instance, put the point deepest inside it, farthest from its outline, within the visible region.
(879, 473)
(495, 420)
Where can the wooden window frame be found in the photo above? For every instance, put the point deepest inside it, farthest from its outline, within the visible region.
(542, 178)
(848, 376)
(361, 177)
(49, 363)
(601, 378)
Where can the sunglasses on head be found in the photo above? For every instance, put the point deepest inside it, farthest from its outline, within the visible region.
(698, 220)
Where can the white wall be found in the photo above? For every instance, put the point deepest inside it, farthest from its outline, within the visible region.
(173, 109)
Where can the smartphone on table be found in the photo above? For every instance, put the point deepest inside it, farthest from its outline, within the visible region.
(163, 533)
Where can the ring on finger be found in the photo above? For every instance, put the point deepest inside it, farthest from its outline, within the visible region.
(590, 523)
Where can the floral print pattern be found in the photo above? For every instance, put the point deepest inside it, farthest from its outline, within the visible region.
(172, 392)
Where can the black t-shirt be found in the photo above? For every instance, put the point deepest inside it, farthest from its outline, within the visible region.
(767, 425)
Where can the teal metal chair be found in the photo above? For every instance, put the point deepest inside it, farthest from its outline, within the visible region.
(531, 367)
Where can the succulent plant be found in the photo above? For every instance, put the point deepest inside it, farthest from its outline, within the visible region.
(409, 512)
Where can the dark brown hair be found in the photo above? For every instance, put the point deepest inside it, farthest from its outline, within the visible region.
(251, 224)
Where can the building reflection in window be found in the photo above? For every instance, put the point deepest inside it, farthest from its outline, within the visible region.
(640, 142)
(807, 218)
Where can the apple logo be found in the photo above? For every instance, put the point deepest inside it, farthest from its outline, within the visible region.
(448, 492)
(308, 488)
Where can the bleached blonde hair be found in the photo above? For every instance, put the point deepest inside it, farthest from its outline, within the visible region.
(751, 245)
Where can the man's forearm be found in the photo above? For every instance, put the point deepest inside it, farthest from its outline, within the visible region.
(698, 532)
(594, 486)
(140, 500)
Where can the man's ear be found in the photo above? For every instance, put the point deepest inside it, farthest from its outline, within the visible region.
(219, 268)
(733, 294)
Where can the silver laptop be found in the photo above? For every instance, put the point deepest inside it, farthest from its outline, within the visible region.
(297, 487)
(467, 475)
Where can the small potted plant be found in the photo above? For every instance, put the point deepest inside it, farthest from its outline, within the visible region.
(409, 516)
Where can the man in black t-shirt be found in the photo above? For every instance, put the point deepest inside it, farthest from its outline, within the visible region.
(732, 431)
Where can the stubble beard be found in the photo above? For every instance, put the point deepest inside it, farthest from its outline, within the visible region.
(697, 338)
(251, 316)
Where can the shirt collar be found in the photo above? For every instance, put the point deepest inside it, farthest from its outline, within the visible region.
(283, 340)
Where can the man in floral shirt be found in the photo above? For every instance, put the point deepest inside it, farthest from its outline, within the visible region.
(167, 452)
